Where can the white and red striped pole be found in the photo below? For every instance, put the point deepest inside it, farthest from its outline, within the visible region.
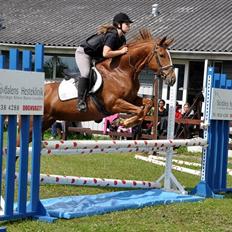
(113, 146)
(81, 151)
(90, 181)
(107, 144)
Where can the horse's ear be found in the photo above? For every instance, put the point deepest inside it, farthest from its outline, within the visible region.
(164, 42)
(161, 42)
(168, 42)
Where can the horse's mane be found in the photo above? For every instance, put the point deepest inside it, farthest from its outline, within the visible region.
(143, 37)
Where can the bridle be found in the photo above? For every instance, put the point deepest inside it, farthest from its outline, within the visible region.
(161, 70)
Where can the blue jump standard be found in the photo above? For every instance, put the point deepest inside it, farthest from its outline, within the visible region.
(88, 205)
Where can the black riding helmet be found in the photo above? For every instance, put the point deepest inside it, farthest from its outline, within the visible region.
(121, 18)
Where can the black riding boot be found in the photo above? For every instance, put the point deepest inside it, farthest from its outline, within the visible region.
(83, 85)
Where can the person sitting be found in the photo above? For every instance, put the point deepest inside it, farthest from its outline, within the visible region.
(178, 115)
(189, 114)
(107, 43)
(109, 124)
(162, 118)
(112, 124)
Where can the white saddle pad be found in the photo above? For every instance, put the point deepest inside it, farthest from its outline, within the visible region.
(67, 89)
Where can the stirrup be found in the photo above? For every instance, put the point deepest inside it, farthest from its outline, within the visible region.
(81, 106)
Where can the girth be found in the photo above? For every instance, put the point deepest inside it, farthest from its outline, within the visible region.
(99, 104)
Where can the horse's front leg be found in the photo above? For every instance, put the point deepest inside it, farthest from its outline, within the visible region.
(147, 103)
(144, 103)
(122, 106)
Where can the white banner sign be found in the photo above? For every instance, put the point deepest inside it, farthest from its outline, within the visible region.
(221, 106)
(21, 92)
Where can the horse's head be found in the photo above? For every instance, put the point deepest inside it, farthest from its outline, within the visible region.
(153, 53)
(160, 61)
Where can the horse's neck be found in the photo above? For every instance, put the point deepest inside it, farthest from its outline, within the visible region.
(132, 63)
(137, 57)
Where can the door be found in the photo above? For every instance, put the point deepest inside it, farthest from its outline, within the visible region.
(195, 83)
(183, 70)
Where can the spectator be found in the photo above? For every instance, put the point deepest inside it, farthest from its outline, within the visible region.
(178, 115)
(110, 123)
(188, 113)
(162, 118)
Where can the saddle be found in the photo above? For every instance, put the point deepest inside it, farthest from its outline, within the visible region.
(67, 89)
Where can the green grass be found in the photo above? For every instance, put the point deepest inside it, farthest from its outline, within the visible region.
(209, 215)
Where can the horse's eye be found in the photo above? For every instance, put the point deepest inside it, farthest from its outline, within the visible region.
(162, 55)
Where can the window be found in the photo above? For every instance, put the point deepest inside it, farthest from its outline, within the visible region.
(69, 62)
(218, 66)
(54, 65)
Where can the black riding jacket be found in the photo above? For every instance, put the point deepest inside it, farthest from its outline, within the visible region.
(93, 46)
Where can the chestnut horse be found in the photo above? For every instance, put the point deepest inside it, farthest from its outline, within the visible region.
(120, 84)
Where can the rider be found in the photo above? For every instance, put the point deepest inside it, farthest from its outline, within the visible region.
(105, 44)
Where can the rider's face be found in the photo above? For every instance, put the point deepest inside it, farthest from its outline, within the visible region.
(126, 27)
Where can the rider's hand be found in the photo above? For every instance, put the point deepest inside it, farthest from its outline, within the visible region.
(124, 50)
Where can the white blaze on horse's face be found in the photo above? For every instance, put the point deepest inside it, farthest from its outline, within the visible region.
(169, 72)
(170, 59)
